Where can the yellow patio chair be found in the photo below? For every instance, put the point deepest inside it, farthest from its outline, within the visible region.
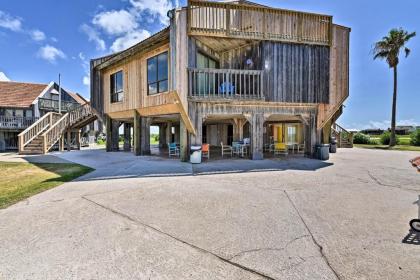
(280, 149)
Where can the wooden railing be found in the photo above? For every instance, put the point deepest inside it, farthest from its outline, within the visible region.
(36, 129)
(53, 134)
(257, 22)
(52, 105)
(225, 83)
(344, 138)
(16, 122)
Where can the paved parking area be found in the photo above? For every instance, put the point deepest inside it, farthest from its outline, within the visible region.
(148, 218)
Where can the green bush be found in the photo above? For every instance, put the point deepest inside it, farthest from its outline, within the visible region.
(360, 138)
(386, 137)
(415, 138)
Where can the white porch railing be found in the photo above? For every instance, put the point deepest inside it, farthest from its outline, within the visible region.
(225, 83)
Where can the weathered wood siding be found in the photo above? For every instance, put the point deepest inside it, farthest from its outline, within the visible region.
(134, 84)
(292, 72)
(339, 74)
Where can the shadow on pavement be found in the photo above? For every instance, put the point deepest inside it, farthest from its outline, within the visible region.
(412, 238)
(149, 166)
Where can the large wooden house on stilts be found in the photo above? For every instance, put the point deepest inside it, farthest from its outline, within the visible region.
(225, 71)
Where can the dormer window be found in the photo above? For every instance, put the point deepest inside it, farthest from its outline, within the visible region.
(117, 93)
(157, 74)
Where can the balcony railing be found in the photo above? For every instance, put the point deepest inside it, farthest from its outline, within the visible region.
(16, 122)
(225, 83)
(52, 105)
(245, 21)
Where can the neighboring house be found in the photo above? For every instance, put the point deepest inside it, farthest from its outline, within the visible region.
(404, 129)
(21, 104)
(223, 72)
(372, 131)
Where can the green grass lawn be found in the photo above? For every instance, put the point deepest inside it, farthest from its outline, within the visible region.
(386, 147)
(22, 180)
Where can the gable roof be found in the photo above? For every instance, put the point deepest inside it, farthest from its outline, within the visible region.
(19, 95)
(78, 98)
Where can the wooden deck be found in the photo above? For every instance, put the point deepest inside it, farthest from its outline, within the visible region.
(257, 23)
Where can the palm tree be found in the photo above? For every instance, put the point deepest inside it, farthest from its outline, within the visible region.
(389, 49)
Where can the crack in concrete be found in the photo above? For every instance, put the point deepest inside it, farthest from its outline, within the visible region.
(268, 249)
(320, 248)
(377, 181)
(180, 240)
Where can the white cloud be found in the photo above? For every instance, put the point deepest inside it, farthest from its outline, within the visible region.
(129, 40)
(50, 53)
(86, 80)
(384, 124)
(55, 40)
(37, 35)
(9, 22)
(115, 22)
(3, 77)
(156, 8)
(93, 36)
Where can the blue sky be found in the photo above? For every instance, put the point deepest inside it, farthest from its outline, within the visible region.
(39, 39)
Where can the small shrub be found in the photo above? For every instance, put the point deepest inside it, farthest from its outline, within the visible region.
(360, 138)
(386, 137)
(415, 138)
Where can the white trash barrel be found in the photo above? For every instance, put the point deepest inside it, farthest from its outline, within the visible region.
(195, 154)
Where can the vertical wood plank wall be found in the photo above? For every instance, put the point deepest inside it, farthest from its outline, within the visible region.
(339, 71)
(294, 73)
(134, 84)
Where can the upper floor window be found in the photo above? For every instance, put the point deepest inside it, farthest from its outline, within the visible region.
(117, 93)
(157, 73)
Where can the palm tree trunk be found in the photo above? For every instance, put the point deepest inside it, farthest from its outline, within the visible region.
(392, 140)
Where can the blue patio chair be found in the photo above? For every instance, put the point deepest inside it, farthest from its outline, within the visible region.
(173, 150)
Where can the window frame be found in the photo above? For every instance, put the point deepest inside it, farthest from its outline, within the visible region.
(113, 87)
(157, 81)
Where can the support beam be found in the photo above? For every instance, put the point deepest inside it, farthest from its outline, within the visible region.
(61, 143)
(68, 140)
(127, 137)
(115, 137)
(108, 124)
(136, 133)
(197, 139)
(257, 136)
(145, 136)
(183, 141)
(168, 133)
(78, 136)
(162, 135)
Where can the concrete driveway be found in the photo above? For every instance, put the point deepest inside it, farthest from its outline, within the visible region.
(148, 218)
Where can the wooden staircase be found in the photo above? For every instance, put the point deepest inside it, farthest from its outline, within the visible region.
(40, 137)
(344, 138)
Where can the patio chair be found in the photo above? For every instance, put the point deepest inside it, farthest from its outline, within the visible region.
(280, 149)
(173, 149)
(226, 149)
(236, 148)
(301, 147)
(205, 151)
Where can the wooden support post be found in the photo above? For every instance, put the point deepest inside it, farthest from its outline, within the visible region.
(61, 143)
(183, 141)
(78, 136)
(197, 139)
(108, 124)
(310, 134)
(162, 135)
(68, 140)
(115, 137)
(136, 133)
(127, 137)
(168, 133)
(145, 136)
(257, 129)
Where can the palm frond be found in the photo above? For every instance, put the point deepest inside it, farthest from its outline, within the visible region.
(407, 51)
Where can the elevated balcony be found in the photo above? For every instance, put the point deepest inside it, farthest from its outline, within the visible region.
(206, 83)
(254, 22)
(16, 123)
(52, 105)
